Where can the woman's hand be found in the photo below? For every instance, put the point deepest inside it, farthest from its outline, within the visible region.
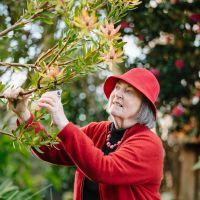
(18, 103)
(52, 102)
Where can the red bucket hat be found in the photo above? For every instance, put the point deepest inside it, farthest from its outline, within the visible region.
(140, 78)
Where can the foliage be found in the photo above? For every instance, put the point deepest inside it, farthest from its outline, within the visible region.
(49, 46)
(168, 34)
(88, 41)
(10, 191)
(67, 46)
(169, 37)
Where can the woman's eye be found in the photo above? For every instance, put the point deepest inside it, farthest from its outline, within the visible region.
(128, 91)
(117, 87)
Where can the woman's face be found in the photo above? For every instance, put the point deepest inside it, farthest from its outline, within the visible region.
(124, 101)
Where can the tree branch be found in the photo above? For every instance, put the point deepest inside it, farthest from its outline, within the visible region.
(13, 27)
(5, 64)
(8, 134)
(26, 21)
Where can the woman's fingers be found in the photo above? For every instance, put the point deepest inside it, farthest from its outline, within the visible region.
(45, 105)
(12, 93)
(52, 95)
(50, 99)
(47, 100)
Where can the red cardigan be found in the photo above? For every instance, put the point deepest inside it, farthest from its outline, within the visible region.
(132, 172)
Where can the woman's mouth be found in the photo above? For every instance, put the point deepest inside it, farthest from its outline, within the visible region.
(117, 104)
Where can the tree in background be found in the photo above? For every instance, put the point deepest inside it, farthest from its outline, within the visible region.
(168, 35)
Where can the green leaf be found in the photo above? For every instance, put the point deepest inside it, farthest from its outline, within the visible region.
(34, 77)
(44, 20)
(49, 14)
(30, 7)
(197, 165)
(37, 148)
(3, 102)
(45, 117)
(76, 11)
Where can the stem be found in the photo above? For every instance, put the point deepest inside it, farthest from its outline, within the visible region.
(57, 55)
(46, 55)
(54, 59)
(5, 64)
(19, 23)
(59, 82)
(67, 62)
(8, 134)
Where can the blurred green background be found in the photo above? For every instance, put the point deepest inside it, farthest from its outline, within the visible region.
(161, 35)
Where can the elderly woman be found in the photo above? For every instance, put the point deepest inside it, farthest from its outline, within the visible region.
(118, 160)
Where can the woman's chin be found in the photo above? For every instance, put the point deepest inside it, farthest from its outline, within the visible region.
(114, 113)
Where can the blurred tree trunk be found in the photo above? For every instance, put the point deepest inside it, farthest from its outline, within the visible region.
(179, 161)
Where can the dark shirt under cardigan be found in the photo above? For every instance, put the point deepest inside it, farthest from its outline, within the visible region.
(91, 189)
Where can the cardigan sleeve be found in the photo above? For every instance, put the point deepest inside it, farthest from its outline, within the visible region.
(57, 154)
(138, 160)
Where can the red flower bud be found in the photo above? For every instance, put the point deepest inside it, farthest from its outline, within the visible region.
(178, 111)
(124, 24)
(141, 37)
(179, 63)
(197, 94)
(195, 17)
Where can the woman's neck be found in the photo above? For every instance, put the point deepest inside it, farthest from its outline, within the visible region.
(123, 123)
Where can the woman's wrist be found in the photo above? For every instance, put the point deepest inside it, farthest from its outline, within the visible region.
(24, 116)
(62, 123)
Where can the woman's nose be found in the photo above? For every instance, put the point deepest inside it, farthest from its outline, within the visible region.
(118, 93)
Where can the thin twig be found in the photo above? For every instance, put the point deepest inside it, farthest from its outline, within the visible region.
(46, 55)
(67, 62)
(52, 62)
(38, 192)
(8, 134)
(5, 64)
(57, 55)
(19, 23)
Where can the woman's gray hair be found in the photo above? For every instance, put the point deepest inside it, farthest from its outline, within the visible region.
(145, 114)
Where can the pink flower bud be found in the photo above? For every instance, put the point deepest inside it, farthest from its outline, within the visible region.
(198, 30)
(174, 1)
(155, 71)
(168, 39)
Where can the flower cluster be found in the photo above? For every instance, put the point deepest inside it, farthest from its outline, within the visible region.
(112, 57)
(131, 3)
(86, 21)
(128, 3)
(109, 32)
